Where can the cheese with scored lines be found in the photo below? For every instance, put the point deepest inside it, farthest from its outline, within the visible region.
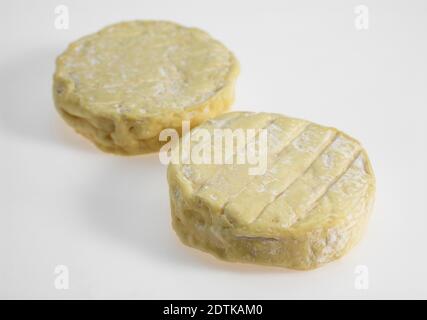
(309, 207)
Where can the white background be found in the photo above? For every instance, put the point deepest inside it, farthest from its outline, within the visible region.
(63, 202)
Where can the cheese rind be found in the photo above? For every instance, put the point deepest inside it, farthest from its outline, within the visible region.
(124, 84)
(310, 207)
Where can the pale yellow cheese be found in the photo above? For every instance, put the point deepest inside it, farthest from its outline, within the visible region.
(309, 207)
(121, 86)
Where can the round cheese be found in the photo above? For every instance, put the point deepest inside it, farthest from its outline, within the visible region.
(307, 208)
(121, 86)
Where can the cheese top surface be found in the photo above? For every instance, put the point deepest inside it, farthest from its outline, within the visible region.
(316, 176)
(144, 67)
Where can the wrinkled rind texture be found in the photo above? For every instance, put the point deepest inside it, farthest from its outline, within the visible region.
(126, 116)
(336, 222)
